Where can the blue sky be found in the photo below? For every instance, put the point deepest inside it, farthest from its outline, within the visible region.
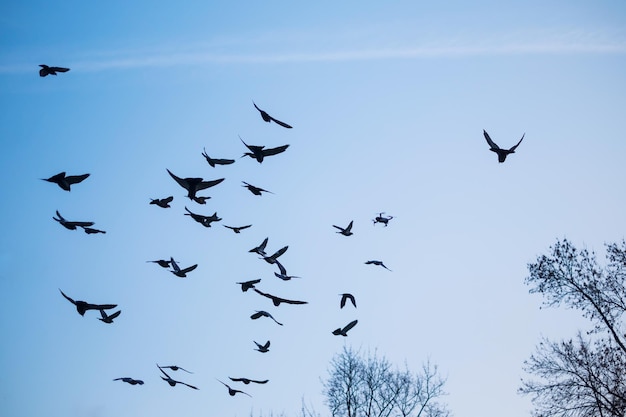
(388, 104)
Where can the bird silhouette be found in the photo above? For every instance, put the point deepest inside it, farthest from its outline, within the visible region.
(259, 152)
(277, 300)
(91, 230)
(255, 190)
(213, 161)
(174, 368)
(171, 381)
(71, 225)
(162, 202)
(46, 70)
(382, 219)
(347, 231)
(66, 181)
(162, 263)
(181, 273)
(260, 250)
(502, 153)
(232, 391)
(131, 381)
(247, 381)
(284, 277)
(272, 259)
(108, 318)
(344, 331)
(262, 313)
(262, 348)
(379, 263)
(345, 297)
(83, 306)
(203, 220)
(246, 285)
(237, 229)
(193, 185)
(200, 200)
(266, 117)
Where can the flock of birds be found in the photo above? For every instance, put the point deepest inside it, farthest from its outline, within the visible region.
(193, 186)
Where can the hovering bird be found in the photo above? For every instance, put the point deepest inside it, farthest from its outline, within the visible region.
(106, 318)
(266, 117)
(502, 153)
(131, 381)
(246, 285)
(91, 230)
(203, 220)
(46, 70)
(66, 181)
(272, 259)
(345, 297)
(175, 368)
(213, 161)
(255, 190)
(83, 306)
(232, 391)
(200, 200)
(262, 348)
(162, 202)
(277, 300)
(260, 249)
(181, 273)
(171, 381)
(193, 185)
(263, 314)
(247, 381)
(259, 152)
(162, 263)
(237, 229)
(382, 219)
(71, 225)
(379, 263)
(347, 231)
(344, 331)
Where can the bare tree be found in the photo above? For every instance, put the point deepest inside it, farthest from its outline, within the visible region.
(584, 377)
(372, 387)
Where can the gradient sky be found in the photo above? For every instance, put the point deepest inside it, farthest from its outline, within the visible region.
(388, 103)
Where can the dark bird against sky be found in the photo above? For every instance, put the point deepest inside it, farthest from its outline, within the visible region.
(266, 117)
(262, 348)
(171, 381)
(272, 259)
(162, 202)
(237, 229)
(71, 225)
(502, 153)
(344, 331)
(347, 231)
(66, 181)
(232, 391)
(379, 263)
(214, 161)
(345, 297)
(260, 250)
(203, 220)
(246, 285)
(193, 185)
(247, 381)
(277, 300)
(262, 313)
(162, 263)
(181, 273)
(83, 306)
(254, 189)
(259, 152)
(130, 381)
(174, 368)
(46, 70)
(108, 318)
(92, 231)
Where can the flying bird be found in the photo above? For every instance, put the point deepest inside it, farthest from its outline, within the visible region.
(277, 300)
(272, 259)
(161, 262)
(66, 181)
(181, 273)
(83, 306)
(162, 202)
(108, 318)
(262, 348)
(175, 368)
(213, 161)
(255, 190)
(91, 230)
(203, 220)
(502, 153)
(232, 391)
(171, 381)
(345, 297)
(344, 331)
(382, 219)
(266, 117)
(131, 381)
(200, 200)
(259, 152)
(347, 231)
(379, 263)
(237, 229)
(246, 285)
(263, 314)
(260, 250)
(69, 224)
(46, 70)
(247, 381)
(284, 277)
(193, 185)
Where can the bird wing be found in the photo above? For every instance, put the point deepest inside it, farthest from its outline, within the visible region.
(520, 141)
(224, 161)
(175, 266)
(337, 227)
(182, 182)
(189, 269)
(164, 373)
(352, 299)
(75, 179)
(281, 267)
(206, 184)
(190, 386)
(489, 141)
(103, 314)
(349, 326)
(274, 151)
(266, 345)
(60, 218)
(244, 227)
(349, 226)
(68, 298)
(265, 381)
(256, 315)
(80, 224)
(279, 252)
(283, 124)
(342, 303)
(59, 69)
(102, 307)
(114, 315)
(261, 247)
(168, 199)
